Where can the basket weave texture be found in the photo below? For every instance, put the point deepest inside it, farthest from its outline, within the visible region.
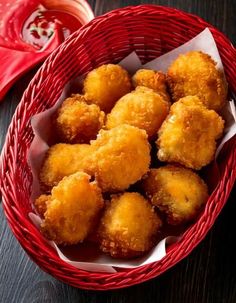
(150, 31)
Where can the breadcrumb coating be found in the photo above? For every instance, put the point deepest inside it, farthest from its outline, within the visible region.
(152, 79)
(178, 192)
(195, 73)
(106, 84)
(41, 204)
(63, 160)
(143, 108)
(129, 226)
(189, 133)
(75, 204)
(78, 122)
(121, 156)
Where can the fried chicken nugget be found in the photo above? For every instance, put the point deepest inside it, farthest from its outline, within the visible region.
(72, 210)
(143, 108)
(189, 133)
(121, 156)
(152, 79)
(129, 226)
(78, 122)
(63, 160)
(106, 84)
(195, 73)
(178, 192)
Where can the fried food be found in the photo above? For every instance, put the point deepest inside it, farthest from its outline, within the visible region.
(129, 226)
(189, 133)
(152, 79)
(63, 160)
(178, 192)
(195, 73)
(78, 122)
(106, 84)
(73, 208)
(41, 204)
(121, 156)
(142, 108)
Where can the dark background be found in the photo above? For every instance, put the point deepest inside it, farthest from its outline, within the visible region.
(207, 275)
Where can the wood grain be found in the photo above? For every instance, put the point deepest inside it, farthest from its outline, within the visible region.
(208, 275)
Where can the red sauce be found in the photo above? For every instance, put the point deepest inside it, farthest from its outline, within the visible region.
(41, 24)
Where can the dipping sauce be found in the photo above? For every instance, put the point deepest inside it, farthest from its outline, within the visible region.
(42, 23)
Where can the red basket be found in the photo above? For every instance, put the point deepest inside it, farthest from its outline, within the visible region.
(151, 31)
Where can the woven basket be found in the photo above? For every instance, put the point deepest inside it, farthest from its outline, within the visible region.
(151, 31)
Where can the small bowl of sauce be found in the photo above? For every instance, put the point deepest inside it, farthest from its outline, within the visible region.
(30, 30)
(63, 16)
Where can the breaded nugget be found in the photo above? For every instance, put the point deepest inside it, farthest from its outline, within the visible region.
(152, 79)
(189, 133)
(178, 192)
(129, 226)
(78, 122)
(195, 73)
(63, 160)
(106, 84)
(75, 204)
(143, 108)
(121, 156)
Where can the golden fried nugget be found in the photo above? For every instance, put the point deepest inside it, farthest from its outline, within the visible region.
(78, 122)
(143, 108)
(63, 160)
(189, 133)
(106, 84)
(129, 226)
(152, 79)
(178, 192)
(195, 73)
(121, 156)
(41, 204)
(75, 204)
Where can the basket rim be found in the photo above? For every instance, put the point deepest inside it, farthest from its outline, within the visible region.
(80, 34)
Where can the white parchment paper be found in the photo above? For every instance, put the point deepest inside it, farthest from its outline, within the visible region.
(103, 263)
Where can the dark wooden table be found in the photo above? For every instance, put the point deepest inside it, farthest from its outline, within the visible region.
(207, 275)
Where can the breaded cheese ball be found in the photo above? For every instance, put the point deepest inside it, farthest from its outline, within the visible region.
(106, 84)
(72, 210)
(152, 79)
(189, 133)
(129, 226)
(178, 192)
(121, 156)
(63, 160)
(195, 73)
(78, 122)
(143, 108)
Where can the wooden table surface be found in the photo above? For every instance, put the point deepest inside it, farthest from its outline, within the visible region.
(207, 275)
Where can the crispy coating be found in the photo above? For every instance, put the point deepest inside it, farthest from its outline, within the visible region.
(189, 133)
(143, 108)
(129, 226)
(41, 204)
(75, 204)
(195, 73)
(63, 160)
(110, 158)
(106, 84)
(178, 192)
(121, 156)
(152, 79)
(78, 122)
